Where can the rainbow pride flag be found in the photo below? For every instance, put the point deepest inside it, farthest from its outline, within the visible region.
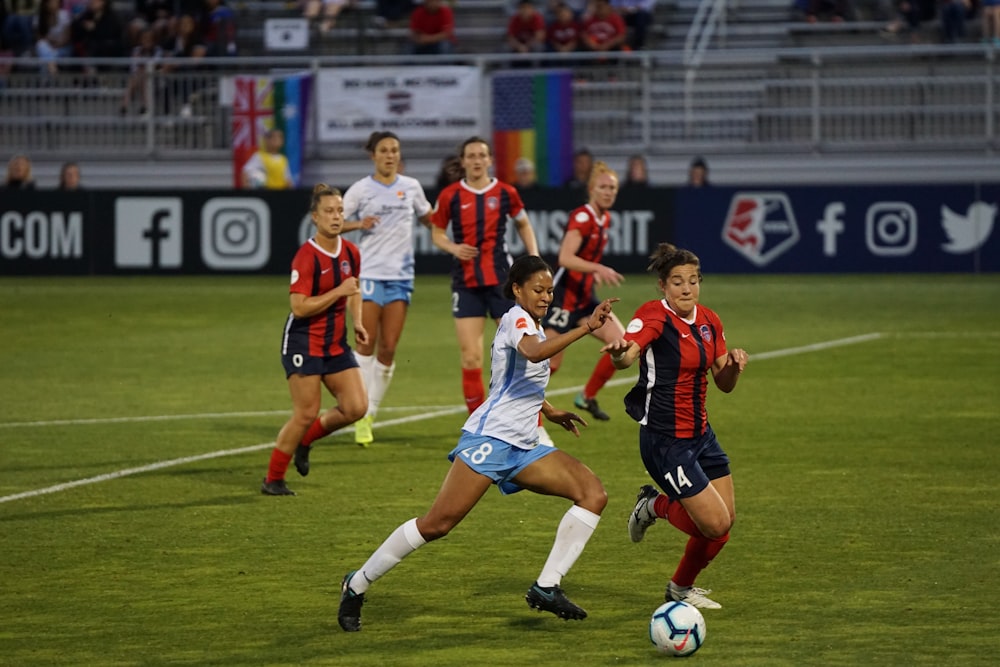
(533, 118)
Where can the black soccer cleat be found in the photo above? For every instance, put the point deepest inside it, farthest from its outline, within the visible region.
(554, 600)
(276, 487)
(302, 459)
(591, 406)
(349, 613)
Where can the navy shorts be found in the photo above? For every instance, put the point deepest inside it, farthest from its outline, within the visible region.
(563, 320)
(479, 302)
(682, 467)
(303, 364)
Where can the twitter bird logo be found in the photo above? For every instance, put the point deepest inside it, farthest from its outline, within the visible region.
(969, 232)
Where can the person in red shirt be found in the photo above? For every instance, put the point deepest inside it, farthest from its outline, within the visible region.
(580, 271)
(476, 211)
(678, 342)
(432, 28)
(604, 30)
(563, 33)
(526, 29)
(314, 349)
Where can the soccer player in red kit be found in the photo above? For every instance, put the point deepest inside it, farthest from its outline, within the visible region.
(476, 211)
(677, 343)
(580, 270)
(314, 349)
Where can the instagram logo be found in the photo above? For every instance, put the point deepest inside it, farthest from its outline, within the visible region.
(235, 233)
(891, 229)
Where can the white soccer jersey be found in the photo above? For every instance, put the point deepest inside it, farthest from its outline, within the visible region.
(517, 386)
(386, 248)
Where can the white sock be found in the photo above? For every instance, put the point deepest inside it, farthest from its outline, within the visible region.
(575, 529)
(367, 364)
(401, 543)
(381, 376)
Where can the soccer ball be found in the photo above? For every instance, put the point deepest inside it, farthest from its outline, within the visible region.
(677, 629)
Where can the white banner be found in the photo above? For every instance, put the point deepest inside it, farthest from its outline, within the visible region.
(429, 102)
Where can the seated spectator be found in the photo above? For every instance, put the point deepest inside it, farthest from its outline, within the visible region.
(432, 28)
(97, 32)
(219, 29)
(698, 173)
(157, 15)
(583, 162)
(636, 173)
(182, 52)
(147, 49)
(19, 174)
(330, 10)
(69, 176)
(18, 28)
(53, 28)
(953, 15)
(909, 15)
(837, 11)
(638, 17)
(526, 29)
(392, 13)
(604, 31)
(525, 178)
(563, 33)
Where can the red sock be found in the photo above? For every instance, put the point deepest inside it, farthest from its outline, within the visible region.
(675, 513)
(698, 553)
(315, 432)
(472, 387)
(278, 466)
(602, 373)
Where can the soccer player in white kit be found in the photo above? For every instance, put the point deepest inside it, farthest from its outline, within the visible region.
(383, 206)
(499, 445)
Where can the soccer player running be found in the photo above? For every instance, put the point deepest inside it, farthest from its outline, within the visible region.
(476, 210)
(580, 270)
(314, 349)
(677, 342)
(383, 206)
(498, 446)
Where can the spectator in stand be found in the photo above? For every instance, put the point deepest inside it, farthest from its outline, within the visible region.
(219, 29)
(157, 15)
(97, 32)
(583, 162)
(526, 29)
(953, 14)
(604, 31)
(432, 29)
(69, 176)
(451, 171)
(268, 167)
(838, 11)
(638, 17)
(19, 174)
(991, 22)
(698, 173)
(53, 28)
(636, 173)
(525, 178)
(18, 32)
(182, 51)
(563, 32)
(147, 49)
(330, 9)
(392, 13)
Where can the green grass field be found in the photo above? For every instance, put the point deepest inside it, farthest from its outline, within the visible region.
(865, 439)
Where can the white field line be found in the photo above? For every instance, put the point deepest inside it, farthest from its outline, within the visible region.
(439, 412)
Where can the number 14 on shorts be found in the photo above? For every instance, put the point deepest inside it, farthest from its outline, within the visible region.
(680, 481)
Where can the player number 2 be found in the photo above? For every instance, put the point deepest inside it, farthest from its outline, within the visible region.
(681, 480)
(479, 454)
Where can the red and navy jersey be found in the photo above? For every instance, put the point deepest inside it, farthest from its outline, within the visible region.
(478, 218)
(576, 288)
(669, 396)
(316, 271)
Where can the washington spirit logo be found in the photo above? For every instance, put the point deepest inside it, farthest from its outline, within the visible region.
(760, 226)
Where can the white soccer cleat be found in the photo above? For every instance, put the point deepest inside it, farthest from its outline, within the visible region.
(692, 595)
(642, 516)
(544, 438)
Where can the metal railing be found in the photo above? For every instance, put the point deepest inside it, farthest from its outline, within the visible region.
(749, 101)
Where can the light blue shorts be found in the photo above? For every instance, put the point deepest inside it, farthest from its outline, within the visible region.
(383, 292)
(496, 459)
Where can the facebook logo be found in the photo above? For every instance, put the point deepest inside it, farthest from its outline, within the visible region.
(148, 232)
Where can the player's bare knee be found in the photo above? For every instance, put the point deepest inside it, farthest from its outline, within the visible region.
(594, 498)
(434, 528)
